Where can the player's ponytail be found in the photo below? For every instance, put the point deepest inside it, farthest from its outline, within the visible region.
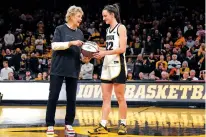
(114, 9)
(117, 14)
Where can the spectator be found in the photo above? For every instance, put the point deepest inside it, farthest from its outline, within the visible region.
(190, 42)
(164, 75)
(138, 65)
(180, 43)
(202, 75)
(156, 40)
(192, 64)
(152, 61)
(5, 71)
(95, 77)
(141, 76)
(129, 76)
(9, 40)
(28, 76)
(39, 43)
(192, 75)
(185, 76)
(23, 64)
(201, 57)
(157, 72)
(130, 65)
(11, 76)
(86, 69)
(40, 66)
(174, 63)
(17, 59)
(9, 57)
(163, 62)
(146, 68)
(184, 68)
(39, 77)
(45, 76)
(33, 63)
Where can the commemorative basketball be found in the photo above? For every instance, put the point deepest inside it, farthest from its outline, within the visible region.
(89, 48)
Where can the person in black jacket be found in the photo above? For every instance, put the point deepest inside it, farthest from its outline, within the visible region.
(65, 66)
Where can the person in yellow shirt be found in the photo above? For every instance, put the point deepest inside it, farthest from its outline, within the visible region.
(184, 68)
(163, 62)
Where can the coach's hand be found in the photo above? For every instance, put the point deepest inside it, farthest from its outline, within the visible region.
(76, 43)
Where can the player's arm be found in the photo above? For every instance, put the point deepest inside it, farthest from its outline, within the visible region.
(123, 42)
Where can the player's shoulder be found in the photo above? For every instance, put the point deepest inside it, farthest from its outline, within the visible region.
(122, 26)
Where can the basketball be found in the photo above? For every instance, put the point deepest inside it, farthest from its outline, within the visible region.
(89, 48)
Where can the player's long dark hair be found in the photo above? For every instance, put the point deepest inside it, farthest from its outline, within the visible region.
(114, 9)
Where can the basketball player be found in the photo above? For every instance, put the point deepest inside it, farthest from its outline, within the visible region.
(65, 66)
(114, 69)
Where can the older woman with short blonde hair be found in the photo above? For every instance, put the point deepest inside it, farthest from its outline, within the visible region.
(65, 66)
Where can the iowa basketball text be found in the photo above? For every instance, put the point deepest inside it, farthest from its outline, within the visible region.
(148, 91)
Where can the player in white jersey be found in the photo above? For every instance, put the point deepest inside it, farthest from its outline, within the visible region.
(114, 69)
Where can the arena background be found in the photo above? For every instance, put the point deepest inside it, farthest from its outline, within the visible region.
(144, 13)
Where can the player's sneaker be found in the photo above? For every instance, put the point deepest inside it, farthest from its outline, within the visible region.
(69, 130)
(122, 129)
(50, 130)
(99, 130)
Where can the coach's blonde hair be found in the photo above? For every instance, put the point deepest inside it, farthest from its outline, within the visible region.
(72, 10)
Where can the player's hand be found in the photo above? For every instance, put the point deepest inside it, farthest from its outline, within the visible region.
(99, 54)
(76, 43)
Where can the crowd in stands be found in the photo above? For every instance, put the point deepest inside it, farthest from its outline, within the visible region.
(167, 46)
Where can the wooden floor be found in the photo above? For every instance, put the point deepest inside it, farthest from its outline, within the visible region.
(18, 121)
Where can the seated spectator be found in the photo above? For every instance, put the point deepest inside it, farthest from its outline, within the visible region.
(95, 77)
(23, 64)
(45, 76)
(164, 75)
(185, 76)
(192, 75)
(201, 57)
(11, 76)
(28, 76)
(39, 43)
(168, 58)
(129, 76)
(146, 68)
(5, 71)
(86, 69)
(138, 65)
(174, 63)
(141, 76)
(184, 68)
(130, 65)
(40, 66)
(190, 42)
(157, 72)
(202, 75)
(152, 61)
(163, 62)
(39, 77)
(180, 43)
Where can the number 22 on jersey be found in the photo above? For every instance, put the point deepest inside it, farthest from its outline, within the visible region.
(109, 45)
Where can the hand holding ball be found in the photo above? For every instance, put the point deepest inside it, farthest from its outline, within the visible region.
(89, 48)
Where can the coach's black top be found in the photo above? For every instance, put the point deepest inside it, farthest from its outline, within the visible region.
(66, 62)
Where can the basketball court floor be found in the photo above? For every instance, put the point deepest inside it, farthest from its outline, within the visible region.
(28, 121)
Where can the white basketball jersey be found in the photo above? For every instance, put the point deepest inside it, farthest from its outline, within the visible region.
(112, 43)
